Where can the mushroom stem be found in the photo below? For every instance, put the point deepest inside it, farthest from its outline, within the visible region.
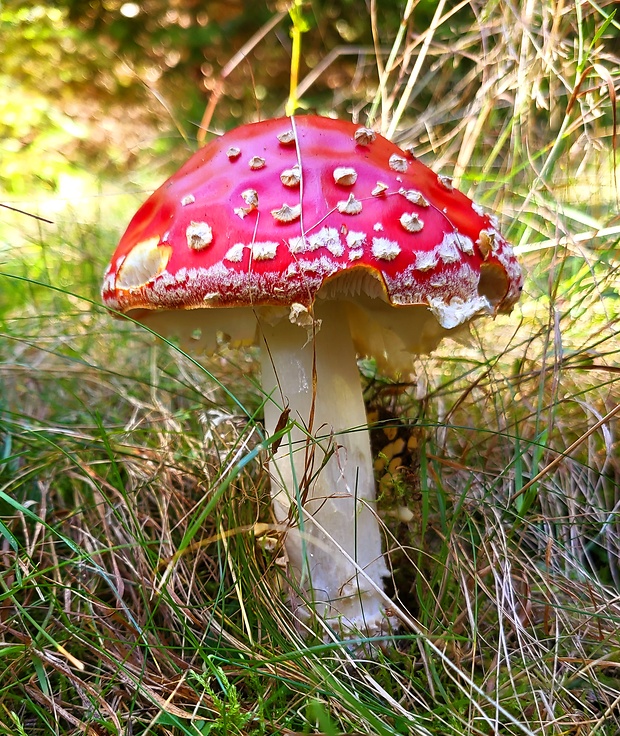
(322, 474)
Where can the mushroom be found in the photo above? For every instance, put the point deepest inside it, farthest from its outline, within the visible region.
(366, 252)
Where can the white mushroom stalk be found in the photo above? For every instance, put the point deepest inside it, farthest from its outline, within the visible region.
(322, 484)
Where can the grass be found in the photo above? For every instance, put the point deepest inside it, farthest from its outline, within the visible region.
(139, 570)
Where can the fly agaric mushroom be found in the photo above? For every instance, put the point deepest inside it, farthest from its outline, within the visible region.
(323, 241)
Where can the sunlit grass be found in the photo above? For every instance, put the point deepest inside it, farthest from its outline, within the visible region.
(140, 571)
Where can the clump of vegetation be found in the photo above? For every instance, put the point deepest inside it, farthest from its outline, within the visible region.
(139, 566)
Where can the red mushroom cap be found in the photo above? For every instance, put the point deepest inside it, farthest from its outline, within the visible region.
(272, 211)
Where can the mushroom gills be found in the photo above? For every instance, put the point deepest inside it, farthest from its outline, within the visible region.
(200, 331)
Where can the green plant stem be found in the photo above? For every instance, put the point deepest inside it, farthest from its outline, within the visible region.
(299, 26)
